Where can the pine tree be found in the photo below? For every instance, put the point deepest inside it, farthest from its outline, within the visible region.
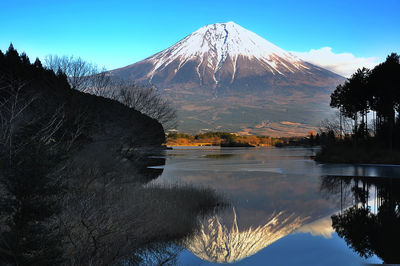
(29, 205)
(29, 191)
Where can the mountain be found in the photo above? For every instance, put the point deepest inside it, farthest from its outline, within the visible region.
(224, 77)
(218, 243)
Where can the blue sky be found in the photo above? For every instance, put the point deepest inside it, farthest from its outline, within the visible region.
(117, 33)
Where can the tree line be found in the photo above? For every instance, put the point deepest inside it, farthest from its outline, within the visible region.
(88, 77)
(375, 92)
(72, 175)
(369, 222)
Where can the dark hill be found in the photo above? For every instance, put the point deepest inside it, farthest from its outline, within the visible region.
(103, 131)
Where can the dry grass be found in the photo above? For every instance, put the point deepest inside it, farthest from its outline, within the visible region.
(109, 222)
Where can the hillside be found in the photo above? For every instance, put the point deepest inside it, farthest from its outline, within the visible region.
(226, 78)
(73, 170)
(98, 129)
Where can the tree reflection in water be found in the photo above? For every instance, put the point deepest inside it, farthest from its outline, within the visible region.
(372, 224)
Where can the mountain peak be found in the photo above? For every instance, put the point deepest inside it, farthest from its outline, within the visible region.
(216, 44)
(223, 24)
(236, 40)
(225, 77)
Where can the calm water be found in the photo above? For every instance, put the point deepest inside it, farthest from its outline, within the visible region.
(282, 203)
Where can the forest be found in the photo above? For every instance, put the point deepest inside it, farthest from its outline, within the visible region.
(73, 170)
(368, 129)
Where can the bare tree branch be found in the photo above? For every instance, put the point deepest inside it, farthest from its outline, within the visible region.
(149, 101)
(89, 78)
(81, 75)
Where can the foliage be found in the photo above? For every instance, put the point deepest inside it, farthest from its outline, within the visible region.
(29, 204)
(368, 231)
(220, 138)
(376, 90)
(30, 188)
(369, 141)
(55, 210)
(87, 77)
(180, 135)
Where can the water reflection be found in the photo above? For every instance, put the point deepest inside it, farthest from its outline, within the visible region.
(217, 242)
(274, 192)
(361, 170)
(144, 166)
(270, 195)
(371, 225)
(321, 227)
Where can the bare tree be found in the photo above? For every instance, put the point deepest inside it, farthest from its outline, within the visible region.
(13, 103)
(149, 101)
(89, 78)
(81, 75)
(338, 124)
(29, 189)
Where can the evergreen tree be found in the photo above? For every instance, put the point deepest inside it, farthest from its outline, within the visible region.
(384, 83)
(37, 63)
(30, 192)
(29, 206)
(376, 90)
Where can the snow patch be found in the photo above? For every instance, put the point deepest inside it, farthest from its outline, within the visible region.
(217, 42)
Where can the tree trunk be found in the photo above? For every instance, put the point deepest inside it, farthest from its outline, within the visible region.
(355, 128)
(391, 126)
(341, 123)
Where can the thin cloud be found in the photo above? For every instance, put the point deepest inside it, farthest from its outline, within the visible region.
(344, 64)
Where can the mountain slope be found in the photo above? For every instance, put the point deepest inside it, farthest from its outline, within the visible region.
(238, 80)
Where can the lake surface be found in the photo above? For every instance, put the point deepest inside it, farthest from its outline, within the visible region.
(281, 207)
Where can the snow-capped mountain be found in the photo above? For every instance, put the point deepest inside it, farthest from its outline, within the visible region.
(218, 243)
(222, 62)
(220, 48)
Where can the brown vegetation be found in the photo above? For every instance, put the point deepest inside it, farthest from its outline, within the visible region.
(226, 139)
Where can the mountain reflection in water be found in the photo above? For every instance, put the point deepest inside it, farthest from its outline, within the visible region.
(371, 226)
(274, 193)
(216, 242)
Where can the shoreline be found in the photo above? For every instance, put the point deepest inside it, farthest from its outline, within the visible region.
(326, 159)
(358, 155)
(215, 145)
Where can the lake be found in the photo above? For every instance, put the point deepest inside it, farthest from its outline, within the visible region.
(282, 206)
